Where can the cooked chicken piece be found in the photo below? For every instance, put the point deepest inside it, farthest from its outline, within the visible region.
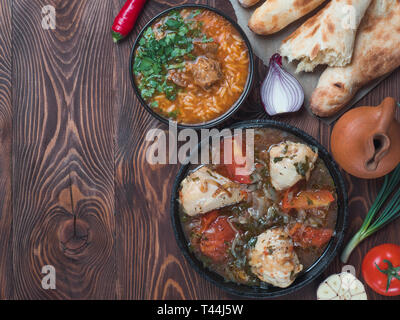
(205, 190)
(208, 49)
(273, 259)
(206, 72)
(289, 163)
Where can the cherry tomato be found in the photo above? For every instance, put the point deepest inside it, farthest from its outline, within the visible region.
(310, 237)
(207, 219)
(381, 269)
(216, 238)
(230, 169)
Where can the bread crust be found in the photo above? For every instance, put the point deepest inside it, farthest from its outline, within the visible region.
(248, 3)
(274, 15)
(328, 37)
(376, 53)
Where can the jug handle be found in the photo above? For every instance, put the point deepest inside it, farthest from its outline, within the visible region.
(379, 143)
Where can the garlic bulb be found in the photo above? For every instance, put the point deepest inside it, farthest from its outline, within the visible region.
(342, 286)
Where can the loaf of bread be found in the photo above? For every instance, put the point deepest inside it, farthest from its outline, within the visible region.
(274, 15)
(376, 52)
(248, 3)
(328, 37)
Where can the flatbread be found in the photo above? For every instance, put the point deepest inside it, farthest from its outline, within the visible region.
(328, 37)
(274, 15)
(248, 3)
(376, 53)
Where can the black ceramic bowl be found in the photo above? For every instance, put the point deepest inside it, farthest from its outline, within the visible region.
(305, 277)
(233, 108)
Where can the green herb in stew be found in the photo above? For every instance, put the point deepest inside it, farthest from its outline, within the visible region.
(155, 56)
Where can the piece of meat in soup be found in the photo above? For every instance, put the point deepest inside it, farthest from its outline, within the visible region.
(178, 78)
(205, 190)
(289, 163)
(208, 49)
(206, 72)
(273, 259)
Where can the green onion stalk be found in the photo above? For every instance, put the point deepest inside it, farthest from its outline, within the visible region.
(372, 222)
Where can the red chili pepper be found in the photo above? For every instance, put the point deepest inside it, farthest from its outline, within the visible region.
(126, 18)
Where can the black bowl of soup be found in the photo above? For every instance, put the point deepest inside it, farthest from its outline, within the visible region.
(270, 228)
(191, 64)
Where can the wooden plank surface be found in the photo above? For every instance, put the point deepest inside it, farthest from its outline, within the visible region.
(63, 150)
(83, 197)
(6, 113)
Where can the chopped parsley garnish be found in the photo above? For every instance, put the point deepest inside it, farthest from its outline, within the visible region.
(206, 40)
(194, 13)
(264, 172)
(302, 167)
(176, 66)
(278, 159)
(173, 114)
(155, 57)
(252, 242)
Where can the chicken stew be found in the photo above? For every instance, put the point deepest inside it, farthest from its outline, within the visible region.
(266, 227)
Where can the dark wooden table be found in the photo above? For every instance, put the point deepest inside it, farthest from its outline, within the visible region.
(75, 189)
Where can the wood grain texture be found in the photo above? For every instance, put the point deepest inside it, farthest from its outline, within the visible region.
(78, 193)
(63, 150)
(6, 272)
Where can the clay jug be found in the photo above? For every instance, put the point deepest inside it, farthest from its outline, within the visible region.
(365, 141)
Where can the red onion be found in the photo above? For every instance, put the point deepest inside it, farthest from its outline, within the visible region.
(280, 91)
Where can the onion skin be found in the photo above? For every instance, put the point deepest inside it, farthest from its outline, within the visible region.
(279, 79)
